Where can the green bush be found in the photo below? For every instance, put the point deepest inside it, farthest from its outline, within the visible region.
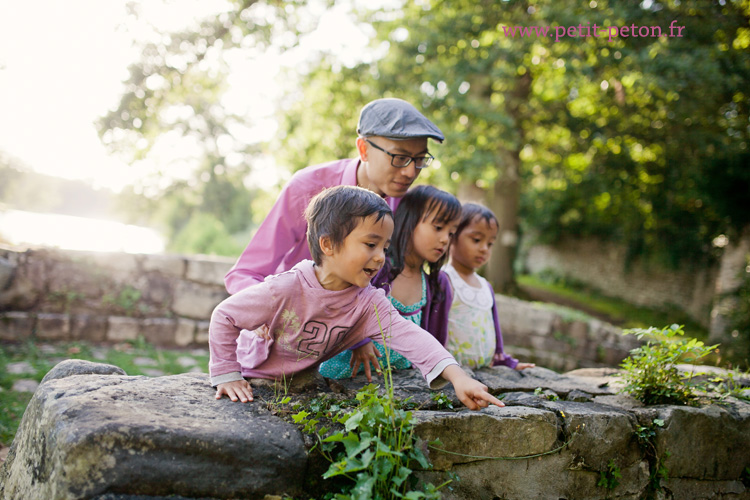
(651, 373)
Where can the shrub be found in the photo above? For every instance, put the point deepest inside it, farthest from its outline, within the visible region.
(651, 373)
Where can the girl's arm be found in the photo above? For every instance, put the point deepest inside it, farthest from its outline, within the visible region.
(500, 357)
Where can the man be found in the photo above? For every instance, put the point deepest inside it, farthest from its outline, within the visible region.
(392, 146)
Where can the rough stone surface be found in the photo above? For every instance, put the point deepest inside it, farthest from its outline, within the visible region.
(208, 270)
(7, 269)
(71, 367)
(139, 436)
(121, 329)
(196, 301)
(16, 325)
(91, 432)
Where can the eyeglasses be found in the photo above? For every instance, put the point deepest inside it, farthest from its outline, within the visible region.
(401, 161)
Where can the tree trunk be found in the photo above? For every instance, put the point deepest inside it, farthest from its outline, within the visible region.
(733, 266)
(503, 200)
(505, 196)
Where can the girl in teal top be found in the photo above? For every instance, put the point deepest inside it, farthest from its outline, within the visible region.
(425, 222)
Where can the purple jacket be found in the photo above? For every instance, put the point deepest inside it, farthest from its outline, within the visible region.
(280, 242)
(507, 360)
(434, 316)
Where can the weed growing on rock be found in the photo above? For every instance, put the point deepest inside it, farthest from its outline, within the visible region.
(443, 402)
(651, 373)
(657, 471)
(376, 451)
(609, 478)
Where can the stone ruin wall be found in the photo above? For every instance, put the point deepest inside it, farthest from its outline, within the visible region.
(604, 267)
(58, 295)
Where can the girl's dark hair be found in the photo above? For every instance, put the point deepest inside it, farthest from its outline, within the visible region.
(416, 204)
(336, 211)
(472, 211)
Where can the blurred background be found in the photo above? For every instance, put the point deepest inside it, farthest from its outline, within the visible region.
(618, 164)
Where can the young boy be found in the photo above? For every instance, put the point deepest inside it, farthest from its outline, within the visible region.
(318, 309)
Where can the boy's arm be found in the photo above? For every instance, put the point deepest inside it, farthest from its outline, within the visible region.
(472, 393)
(239, 389)
(247, 310)
(280, 231)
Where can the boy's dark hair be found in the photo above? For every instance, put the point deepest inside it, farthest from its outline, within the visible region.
(416, 204)
(336, 211)
(472, 211)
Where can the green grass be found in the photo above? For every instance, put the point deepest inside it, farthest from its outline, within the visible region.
(42, 356)
(622, 313)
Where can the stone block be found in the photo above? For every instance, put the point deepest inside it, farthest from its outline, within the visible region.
(7, 270)
(150, 437)
(519, 318)
(208, 270)
(185, 332)
(496, 432)
(121, 329)
(88, 327)
(169, 265)
(119, 265)
(201, 333)
(196, 301)
(16, 325)
(159, 331)
(51, 326)
(719, 447)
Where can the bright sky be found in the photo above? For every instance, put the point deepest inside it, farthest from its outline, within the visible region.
(62, 64)
(61, 68)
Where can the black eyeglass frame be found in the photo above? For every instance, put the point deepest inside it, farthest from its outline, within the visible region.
(427, 159)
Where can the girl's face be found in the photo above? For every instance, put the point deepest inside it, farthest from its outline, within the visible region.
(431, 239)
(472, 247)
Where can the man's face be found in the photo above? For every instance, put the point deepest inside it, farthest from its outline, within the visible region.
(382, 177)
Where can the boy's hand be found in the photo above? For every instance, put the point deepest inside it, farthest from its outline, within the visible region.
(237, 389)
(364, 355)
(472, 393)
(264, 332)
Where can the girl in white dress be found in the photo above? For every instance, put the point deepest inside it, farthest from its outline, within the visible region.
(474, 335)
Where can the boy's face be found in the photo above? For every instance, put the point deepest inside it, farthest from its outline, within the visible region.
(359, 258)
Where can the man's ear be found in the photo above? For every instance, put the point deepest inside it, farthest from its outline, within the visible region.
(362, 149)
(326, 245)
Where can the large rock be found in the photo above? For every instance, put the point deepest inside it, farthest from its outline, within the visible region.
(91, 432)
(83, 436)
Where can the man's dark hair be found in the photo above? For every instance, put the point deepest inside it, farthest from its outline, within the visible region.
(416, 204)
(336, 211)
(474, 211)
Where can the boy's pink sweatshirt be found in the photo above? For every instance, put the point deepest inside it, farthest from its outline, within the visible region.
(309, 325)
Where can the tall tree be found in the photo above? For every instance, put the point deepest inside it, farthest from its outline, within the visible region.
(173, 116)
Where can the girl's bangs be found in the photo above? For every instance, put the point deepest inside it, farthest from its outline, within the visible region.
(445, 209)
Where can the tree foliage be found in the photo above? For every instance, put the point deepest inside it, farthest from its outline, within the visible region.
(642, 140)
(173, 116)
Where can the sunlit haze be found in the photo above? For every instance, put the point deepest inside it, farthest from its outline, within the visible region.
(62, 65)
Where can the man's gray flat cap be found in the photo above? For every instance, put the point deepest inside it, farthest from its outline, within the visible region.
(395, 119)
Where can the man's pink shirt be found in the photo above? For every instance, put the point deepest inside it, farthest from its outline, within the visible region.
(281, 240)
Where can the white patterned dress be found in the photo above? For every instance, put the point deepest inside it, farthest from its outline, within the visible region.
(471, 327)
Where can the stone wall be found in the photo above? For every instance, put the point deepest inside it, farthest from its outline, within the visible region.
(603, 266)
(92, 432)
(115, 297)
(108, 297)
